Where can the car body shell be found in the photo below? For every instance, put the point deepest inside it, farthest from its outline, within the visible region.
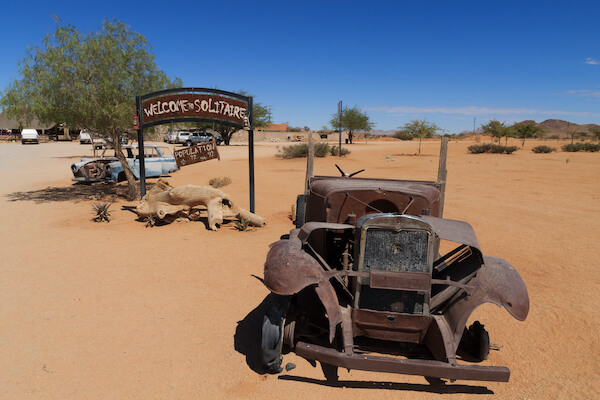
(29, 136)
(159, 160)
(365, 264)
(193, 138)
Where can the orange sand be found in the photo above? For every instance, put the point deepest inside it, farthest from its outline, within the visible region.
(121, 311)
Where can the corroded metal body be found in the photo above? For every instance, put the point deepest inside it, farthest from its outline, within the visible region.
(356, 279)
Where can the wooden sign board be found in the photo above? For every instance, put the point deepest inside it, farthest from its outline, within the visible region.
(195, 154)
(195, 105)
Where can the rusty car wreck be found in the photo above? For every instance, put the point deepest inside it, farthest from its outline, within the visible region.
(361, 284)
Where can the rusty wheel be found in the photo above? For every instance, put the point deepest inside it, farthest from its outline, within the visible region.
(272, 333)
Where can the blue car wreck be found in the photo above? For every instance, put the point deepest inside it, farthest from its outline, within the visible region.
(158, 160)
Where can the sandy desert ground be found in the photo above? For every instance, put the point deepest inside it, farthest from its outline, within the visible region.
(122, 311)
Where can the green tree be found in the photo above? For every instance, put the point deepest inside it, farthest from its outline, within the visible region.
(495, 129)
(260, 117)
(353, 119)
(419, 129)
(87, 81)
(525, 131)
(595, 131)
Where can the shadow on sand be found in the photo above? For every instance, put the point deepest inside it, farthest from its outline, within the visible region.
(107, 192)
(247, 342)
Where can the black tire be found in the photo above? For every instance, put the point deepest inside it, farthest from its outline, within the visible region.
(478, 341)
(272, 333)
(330, 372)
(188, 143)
(300, 211)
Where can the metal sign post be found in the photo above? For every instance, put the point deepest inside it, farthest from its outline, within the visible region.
(196, 105)
(340, 127)
(251, 152)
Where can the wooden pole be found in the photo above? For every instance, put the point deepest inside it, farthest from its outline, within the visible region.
(309, 163)
(442, 173)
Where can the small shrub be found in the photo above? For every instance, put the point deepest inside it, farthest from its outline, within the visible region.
(543, 149)
(321, 149)
(242, 225)
(101, 213)
(301, 150)
(219, 182)
(492, 148)
(478, 148)
(150, 221)
(574, 147)
(403, 135)
(336, 152)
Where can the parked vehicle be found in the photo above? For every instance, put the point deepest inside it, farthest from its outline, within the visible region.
(159, 160)
(85, 138)
(173, 136)
(29, 136)
(372, 272)
(196, 137)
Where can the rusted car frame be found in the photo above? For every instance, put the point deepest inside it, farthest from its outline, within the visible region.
(362, 283)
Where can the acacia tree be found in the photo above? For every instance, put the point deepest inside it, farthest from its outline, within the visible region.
(495, 129)
(353, 119)
(595, 130)
(87, 81)
(525, 131)
(260, 114)
(420, 129)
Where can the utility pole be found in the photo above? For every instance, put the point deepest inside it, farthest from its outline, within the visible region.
(270, 122)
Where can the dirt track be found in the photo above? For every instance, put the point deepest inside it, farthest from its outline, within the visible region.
(119, 311)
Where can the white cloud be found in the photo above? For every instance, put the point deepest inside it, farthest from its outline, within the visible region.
(584, 93)
(474, 110)
(592, 61)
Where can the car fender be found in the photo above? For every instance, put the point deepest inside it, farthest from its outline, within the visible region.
(497, 282)
(289, 269)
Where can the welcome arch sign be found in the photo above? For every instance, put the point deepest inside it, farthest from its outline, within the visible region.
(195, 105)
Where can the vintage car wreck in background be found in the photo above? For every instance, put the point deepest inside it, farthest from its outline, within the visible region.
(373, 279)
(158, 161)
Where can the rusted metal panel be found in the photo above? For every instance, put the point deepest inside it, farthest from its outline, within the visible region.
(431, 368)
(400, 280)
(390, 326)
(342, 200)
(194, 105)
(195, 154)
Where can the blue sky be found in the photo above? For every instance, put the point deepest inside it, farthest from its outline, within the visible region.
(445, 61)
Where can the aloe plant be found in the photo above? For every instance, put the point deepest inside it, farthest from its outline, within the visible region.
(242, 225)
(101, 213)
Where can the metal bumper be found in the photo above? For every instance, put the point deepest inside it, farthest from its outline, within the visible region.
(429, 368)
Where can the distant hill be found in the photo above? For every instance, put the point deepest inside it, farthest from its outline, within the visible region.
(560, 128)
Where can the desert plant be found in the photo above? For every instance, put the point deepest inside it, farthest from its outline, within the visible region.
(242, 225)
(100, 211)
(543, 149)
(219, 182)
(150, 221)
(335, 151)
(492, 148)
(574, 147)
(403, 135)
(301, 150)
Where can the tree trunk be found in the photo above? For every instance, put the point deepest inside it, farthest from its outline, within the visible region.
(132, 191)
(419, 146)
(350, 135)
